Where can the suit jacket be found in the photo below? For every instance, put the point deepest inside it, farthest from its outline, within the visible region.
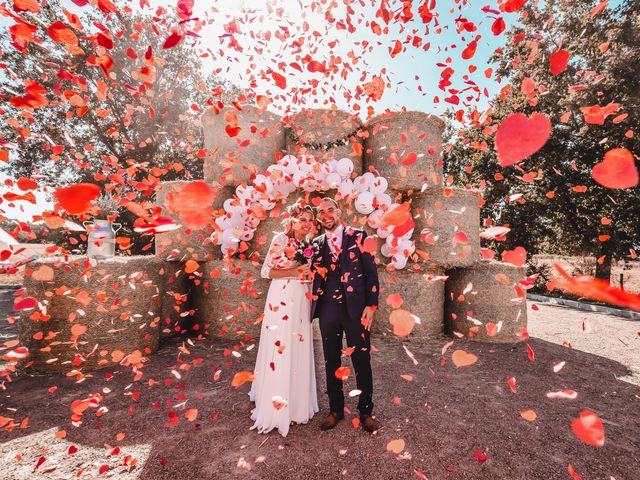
(361, 285)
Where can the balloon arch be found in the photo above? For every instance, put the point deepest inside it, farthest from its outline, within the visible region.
(306, 173)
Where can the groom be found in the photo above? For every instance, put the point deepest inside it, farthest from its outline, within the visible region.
(345, 296)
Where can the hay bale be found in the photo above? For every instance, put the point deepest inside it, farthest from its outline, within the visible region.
(234, 159)
(184, 243)
(447, 227)
(487, 292)
(176, 291)
(91, 313)
(396, 139)
(422, 296)
(326, 134)
(230, 299)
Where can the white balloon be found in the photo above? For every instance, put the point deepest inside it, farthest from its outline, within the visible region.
(399, 262)
(406, 247)
(374, 218)
(346, 188)
(252, 221)
(368, 178)
(229, 248)
(246, 233)
(332, 181)
(379, 185)
(236, 220)
(289, 164)
(383, 232)
(298, 179)
(344, 167)
(228, 236)
(383, 200)
(360, 184)
(385, 250)
(267, 203)
(407, 235)
(232, 205)
(243, 191)
(264, 183)
(364, 203)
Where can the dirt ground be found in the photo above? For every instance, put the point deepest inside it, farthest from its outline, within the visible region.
(449, 418)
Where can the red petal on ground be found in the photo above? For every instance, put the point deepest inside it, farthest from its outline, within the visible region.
(618, 170)
(573, 473)
(519, 137)
(588, 428)
(481, 457)
(241, 378)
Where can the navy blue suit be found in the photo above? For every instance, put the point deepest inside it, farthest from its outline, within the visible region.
(342, 288)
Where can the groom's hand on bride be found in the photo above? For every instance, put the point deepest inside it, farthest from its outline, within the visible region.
(367, 317)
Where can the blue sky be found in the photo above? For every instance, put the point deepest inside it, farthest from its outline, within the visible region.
(411, 69)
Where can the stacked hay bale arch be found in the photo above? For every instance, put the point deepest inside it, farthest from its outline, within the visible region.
(479, 299)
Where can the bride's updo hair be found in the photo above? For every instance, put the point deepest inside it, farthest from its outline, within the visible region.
(294, 211)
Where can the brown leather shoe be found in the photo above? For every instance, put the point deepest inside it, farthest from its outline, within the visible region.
(331, 421)
(369, 424)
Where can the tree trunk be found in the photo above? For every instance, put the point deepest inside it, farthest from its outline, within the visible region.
(604, 271)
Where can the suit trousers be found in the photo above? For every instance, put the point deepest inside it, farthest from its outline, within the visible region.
(334, 321)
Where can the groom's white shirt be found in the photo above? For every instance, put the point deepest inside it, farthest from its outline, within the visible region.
(337, 235)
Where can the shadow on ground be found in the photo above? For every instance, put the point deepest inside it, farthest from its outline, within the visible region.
(444, 415)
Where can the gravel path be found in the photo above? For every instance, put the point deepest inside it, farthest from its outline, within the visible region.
(450, 418)
(608, 336)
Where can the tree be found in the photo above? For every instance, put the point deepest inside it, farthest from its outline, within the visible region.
(96, 97)
(550, 200)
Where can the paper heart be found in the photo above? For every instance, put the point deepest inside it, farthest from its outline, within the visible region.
(617, 170)
(43, 274)
(402, 322)
(519, 137)
(460, 358)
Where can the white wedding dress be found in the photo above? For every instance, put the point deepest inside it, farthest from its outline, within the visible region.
(284, 389)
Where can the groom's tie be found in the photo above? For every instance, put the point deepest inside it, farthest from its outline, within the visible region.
(333, 242)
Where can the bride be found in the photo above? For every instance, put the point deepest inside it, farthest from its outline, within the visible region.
(284, 389)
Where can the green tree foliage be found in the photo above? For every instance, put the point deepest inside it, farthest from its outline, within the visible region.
(116, 108)
(541, 198)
